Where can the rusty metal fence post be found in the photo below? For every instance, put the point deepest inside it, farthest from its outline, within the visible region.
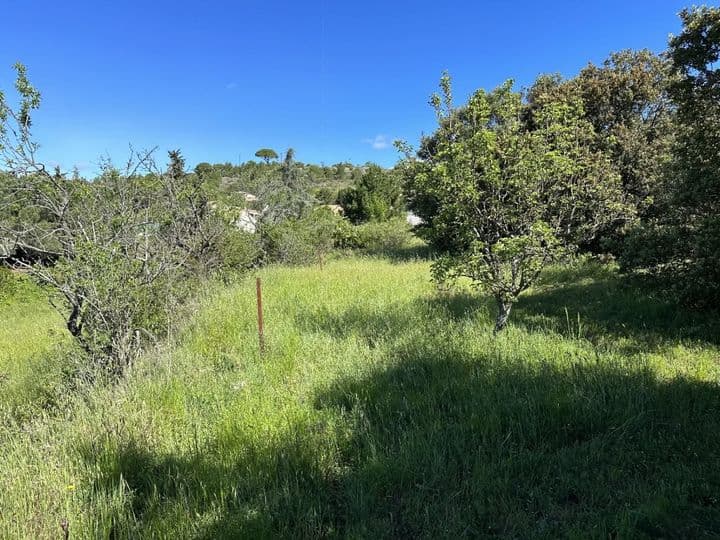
(261, 329)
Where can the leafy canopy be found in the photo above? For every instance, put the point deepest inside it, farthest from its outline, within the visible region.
(374, 197)
(683, 244)
(502, 192)
(267, 154)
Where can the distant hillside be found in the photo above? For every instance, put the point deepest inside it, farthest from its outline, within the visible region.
(224, 180)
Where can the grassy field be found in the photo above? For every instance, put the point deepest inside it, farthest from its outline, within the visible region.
(384, 409)
(30, 330)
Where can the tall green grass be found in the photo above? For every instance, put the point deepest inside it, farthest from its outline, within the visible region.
(30, 330)
(385, 409)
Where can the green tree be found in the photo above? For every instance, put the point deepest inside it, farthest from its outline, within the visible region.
(627, 102)
(285, 194)
(302, 240)
(203, 170)
(501, 195)
(125, 244)
(325, 195)
(375, 196)
(683, 244)
(267, 154)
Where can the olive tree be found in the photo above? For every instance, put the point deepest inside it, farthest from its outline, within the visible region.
(503, 190)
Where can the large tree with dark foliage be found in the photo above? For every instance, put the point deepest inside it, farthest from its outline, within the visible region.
(626, 100)
(683, 244)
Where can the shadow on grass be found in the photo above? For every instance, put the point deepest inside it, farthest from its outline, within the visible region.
(391, 323)
(446, 445)
(595, 302)
(228, 489)
(402, 254)
(444, 442)
(590, 301)
(450, 446)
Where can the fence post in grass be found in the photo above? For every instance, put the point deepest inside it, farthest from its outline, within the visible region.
(261, 334)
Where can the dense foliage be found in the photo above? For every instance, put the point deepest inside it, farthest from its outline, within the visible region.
(512, 186)
(682, 244)
(622, 159)
(124, 246)
(374, 197)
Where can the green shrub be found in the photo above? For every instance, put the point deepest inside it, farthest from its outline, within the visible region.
(239, 250)
(381, 237)
(346, 235)
(375, 196)
(375, 237)
(301, 241)
(326, 195)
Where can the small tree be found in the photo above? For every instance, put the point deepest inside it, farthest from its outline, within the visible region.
(123, 244)
(203, 170)
(502, 195)
(285, 194)
(267, 154)
(374, 197)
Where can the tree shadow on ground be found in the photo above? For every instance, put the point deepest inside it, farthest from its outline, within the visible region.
(228, 489)
(451, 446)
(402, 254)
(392, 322)
(598, 304)
(443, 444)
(441, 440)
(589, 302)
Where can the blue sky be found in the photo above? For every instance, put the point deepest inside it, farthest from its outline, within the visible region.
(335, 80)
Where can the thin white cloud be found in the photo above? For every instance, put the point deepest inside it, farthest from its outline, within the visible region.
(379, 142)
(231, 85)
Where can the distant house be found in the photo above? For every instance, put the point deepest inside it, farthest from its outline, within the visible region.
(249, 197)
(412, 219)
(247, 221)
(334, 208)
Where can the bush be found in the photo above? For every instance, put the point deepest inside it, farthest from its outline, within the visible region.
(375, 237)
(239, 250)
(326, 195)
(383, 237)
(346, 235)
(301, 241)
(680, 259)
(375, 197)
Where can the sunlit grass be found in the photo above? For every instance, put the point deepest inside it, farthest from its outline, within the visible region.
(385, 409)
(29, 330)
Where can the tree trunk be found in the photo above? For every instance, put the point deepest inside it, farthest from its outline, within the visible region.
(73, 323)
(503, 314)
